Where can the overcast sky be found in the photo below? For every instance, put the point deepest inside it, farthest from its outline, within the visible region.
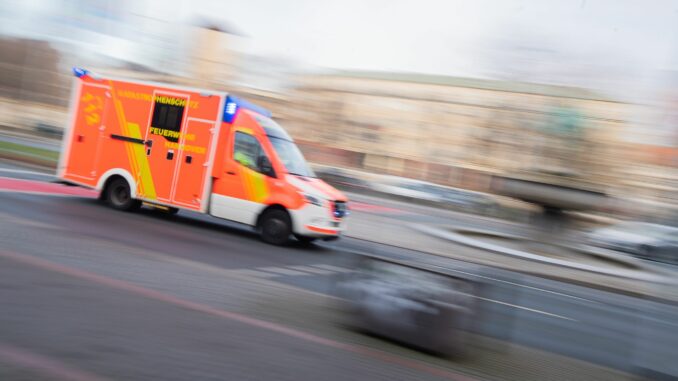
(611, 44)
(455, 37)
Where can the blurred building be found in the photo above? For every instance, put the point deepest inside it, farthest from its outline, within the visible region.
(454, 131)
(213, 61)
(29, 72)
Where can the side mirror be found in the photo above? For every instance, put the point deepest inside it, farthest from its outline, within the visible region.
(265, 166)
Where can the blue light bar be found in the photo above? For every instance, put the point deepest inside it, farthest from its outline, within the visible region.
(79, 72)
(235, 103)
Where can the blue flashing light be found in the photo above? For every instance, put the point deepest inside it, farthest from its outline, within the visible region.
(230, 110)
(79, 72)
(235, 103)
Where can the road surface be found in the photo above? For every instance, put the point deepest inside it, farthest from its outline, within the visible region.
(90, 293)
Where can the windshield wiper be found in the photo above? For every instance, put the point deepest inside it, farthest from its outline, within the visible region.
(299, 174)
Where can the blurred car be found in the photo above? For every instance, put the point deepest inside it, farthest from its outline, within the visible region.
(423, 308)
(641, 239)
(409, 188)
(340, 178)
(421, 190)
(466, 199)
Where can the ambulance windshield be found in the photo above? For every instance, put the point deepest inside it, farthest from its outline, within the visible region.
(289, 154)
(287, 151)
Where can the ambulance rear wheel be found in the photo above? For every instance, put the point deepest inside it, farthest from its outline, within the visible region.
(275, 227)
(119, 195)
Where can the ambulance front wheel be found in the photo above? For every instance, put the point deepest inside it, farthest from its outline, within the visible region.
(119, 196)
(275, 226)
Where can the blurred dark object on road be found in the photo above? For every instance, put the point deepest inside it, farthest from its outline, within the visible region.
(430, 310)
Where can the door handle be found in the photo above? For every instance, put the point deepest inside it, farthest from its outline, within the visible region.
(170, 155)
(231, 173)
(189, 159)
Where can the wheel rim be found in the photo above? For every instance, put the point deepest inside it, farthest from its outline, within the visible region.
(275, 228)
(120, 195)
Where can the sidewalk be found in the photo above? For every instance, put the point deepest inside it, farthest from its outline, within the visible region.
(391, 230)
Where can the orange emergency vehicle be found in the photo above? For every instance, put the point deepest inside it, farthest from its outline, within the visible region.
(201, 150)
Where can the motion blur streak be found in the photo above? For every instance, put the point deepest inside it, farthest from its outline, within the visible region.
(159, 296)
(28, 186)
(44, 365)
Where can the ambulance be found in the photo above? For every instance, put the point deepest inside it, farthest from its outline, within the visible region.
(206, 151)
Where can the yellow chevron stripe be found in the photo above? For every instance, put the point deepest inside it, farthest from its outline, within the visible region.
(128, 147)
(139, 151)
(247, 183)
(255, 185)
(135, 153)
(259, 188)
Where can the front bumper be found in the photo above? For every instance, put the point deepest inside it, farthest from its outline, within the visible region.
(316, 221)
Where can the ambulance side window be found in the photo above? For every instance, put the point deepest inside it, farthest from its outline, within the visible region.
(168, 117)
(247, 151)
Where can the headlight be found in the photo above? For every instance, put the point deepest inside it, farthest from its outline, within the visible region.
(312, 200)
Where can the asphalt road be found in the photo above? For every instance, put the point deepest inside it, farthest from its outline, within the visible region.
(91, 293)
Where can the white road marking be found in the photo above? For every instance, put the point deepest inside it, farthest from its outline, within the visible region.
(516, 284)
(525, 308)
(333, 268)
(312, 270)
(281, 271)
(253, 273)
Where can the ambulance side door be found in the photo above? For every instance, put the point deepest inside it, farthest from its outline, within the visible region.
(163, 135)
(193, 163)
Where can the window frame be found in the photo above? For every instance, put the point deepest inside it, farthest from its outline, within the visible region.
(158, 116)
(259, 152)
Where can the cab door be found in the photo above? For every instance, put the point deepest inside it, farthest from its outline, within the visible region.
(193, 163)
(243, 188)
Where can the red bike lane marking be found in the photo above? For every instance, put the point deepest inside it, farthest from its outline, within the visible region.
(8, 184)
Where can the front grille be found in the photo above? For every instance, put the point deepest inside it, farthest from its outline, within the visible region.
(339, 209)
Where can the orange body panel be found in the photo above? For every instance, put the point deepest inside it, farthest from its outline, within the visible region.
(114, 130)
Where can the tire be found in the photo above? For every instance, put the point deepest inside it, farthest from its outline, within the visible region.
(119, 196)
(305, 240)
(275, 227)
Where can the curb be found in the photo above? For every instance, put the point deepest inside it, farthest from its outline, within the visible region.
(498, 211)
(553, 277)
(593, 251)
(459, 239)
